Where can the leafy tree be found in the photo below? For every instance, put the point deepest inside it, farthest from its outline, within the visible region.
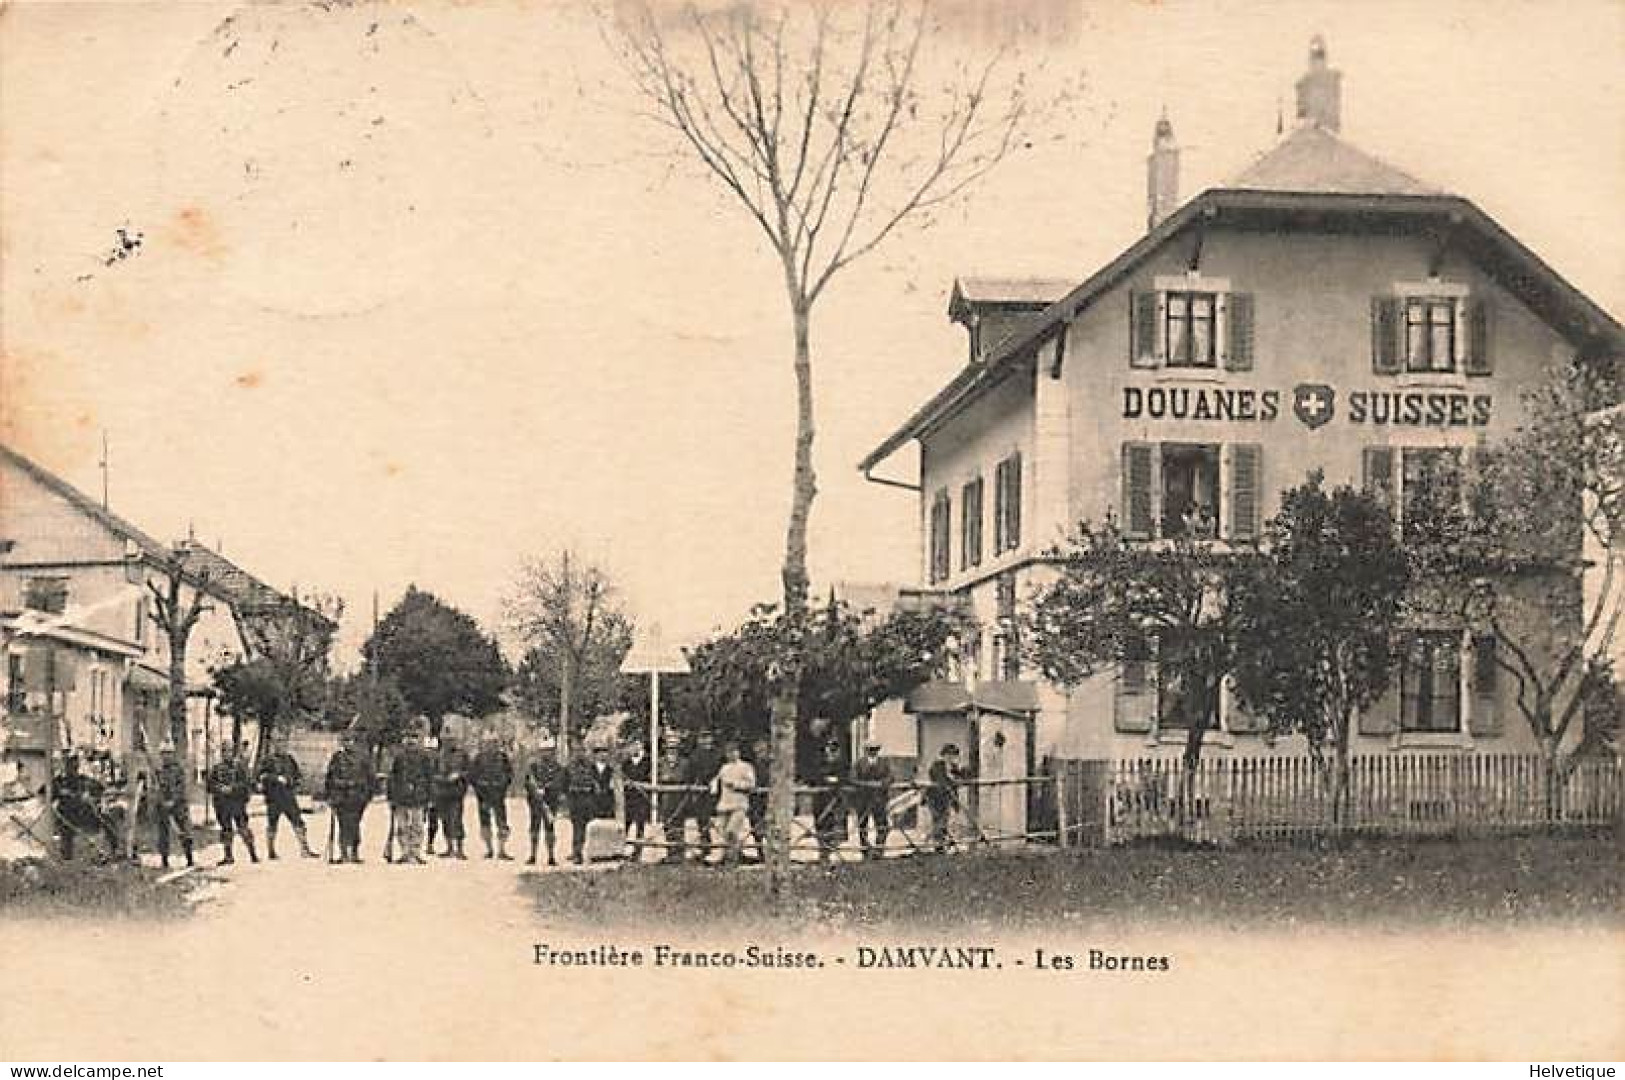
(1503, 550)
(819, 122)
(373, 706)
(1117, 601)
(284, 677)
(1316, 627)
(438, 657)
(853, 661)
(568, 612)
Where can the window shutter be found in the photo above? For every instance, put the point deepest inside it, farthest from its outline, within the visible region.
(1386, 326)
(1480, 339)
(1378, 468)
(1143, 330)
(1012, 528)
(1382, 718)
(1483, 717)
(1135, 702)
(1240, 332)
(1246, 463)
(1001, 488)
(1137, 490)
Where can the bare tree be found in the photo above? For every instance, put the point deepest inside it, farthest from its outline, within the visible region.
(180, 594)
(567, 610)
(829, 125)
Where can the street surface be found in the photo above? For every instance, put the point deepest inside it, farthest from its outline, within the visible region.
(298, 959)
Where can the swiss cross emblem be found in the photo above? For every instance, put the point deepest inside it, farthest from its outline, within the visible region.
(1313, 403)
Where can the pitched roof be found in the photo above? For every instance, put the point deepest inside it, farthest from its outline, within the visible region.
(86, 505)
(1314, 159)
(1517, 269)
(1012, 291)
(232, 583)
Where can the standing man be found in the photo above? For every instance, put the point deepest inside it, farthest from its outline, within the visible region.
(828, 802)
(171, 805)
(348, 790)
(492, 775)
(674, 807)
(942, 793)
(635, 773)
(701, 800)
(871, 783)
(592, 796)
(734, 783)
(544, 789)
(229, 784)
(411, 783)
(450, 785)
(279, 781)
(761, 759)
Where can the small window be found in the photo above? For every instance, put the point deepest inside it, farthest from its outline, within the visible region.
(16, 686)
(1190, 490)
(1191, 335)
(1430, 334)
(47, 594)
(1430, 682)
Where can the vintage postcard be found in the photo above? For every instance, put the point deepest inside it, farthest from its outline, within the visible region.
(811, 529)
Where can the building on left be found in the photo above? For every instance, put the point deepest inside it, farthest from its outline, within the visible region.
(86, 667)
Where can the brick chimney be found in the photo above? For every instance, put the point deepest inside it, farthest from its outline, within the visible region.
(1161, 174)
(1320, 90)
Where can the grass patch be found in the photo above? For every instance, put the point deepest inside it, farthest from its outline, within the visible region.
(1477, 881)
(47, 889)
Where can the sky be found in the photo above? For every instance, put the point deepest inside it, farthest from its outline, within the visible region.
(419, 296)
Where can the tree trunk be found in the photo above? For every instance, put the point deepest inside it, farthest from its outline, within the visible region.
(1552, 782)
(786, 703)
(562, 743)
(1340, 772)
(178, 733)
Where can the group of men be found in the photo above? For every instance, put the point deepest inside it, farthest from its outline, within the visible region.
(721, 790)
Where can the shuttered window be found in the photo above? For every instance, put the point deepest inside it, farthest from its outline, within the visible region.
(1007, 505)
(1430, 683)
(1173, 490)
(970, 524)
(941, 511)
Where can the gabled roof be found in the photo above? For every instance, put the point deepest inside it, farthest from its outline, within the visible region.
(86, 505)
(1471, 231)
(223, 577)
(1313, 159)
(1019, 293)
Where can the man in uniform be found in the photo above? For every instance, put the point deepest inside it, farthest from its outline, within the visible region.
(592, 796)
(348, 790)
(279, 781)
(492, 775)
(700, 801)
(634, 772)
(411, 786)
(828, 801)
(78, 808)
(544, 788)
(229, 784)
(942, 793)
(761, 758)
(450, 785)
(169, 802)
(871, 783)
